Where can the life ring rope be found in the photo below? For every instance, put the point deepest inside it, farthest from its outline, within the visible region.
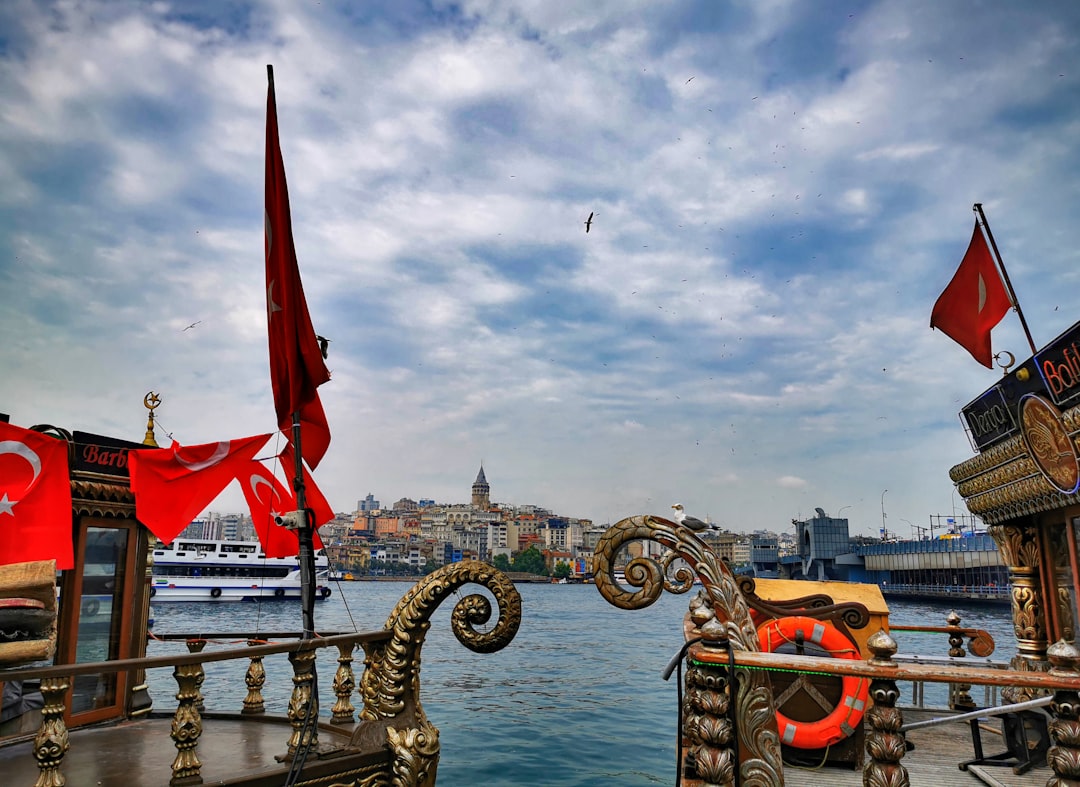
(842, 721)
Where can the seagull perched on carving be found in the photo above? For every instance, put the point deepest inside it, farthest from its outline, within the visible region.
(691, 522)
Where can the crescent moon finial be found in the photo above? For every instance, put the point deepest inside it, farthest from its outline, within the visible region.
(1008, 364)
(150, 402)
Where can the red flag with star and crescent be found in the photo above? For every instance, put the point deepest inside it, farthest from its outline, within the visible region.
(172, 486)
(267, 497)
(973, 302)
(296, 361)
(35, 498)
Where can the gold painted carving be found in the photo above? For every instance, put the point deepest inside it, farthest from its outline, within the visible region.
(723, 614)
(51, 741)
(187, 725)
(392, 675)
(1049, 444)
(303, 703)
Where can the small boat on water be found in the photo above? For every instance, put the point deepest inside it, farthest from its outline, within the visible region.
(209, 570)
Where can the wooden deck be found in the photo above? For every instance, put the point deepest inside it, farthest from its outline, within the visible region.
(140, 753)
(934, 762)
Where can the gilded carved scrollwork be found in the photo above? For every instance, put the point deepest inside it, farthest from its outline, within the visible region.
(1019, 547)
(721, 614)
(390, 684)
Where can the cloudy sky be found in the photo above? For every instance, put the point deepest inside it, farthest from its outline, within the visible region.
(781, 190)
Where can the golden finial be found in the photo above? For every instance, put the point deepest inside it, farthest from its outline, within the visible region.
(150, 402)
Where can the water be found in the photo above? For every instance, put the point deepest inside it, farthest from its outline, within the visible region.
(577, 699)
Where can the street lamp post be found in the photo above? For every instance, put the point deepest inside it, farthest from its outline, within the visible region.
(911, 526)
(883, 514)
(842, 510)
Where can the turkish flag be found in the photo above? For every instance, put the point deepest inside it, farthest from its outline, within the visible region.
(266, 498)
(313, 496)
(974, 302)
(174, 485)
(35, 498)
(296, 361)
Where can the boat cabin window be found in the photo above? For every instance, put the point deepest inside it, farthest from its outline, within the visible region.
(96, 628)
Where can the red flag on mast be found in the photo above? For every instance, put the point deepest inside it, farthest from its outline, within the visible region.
(973, 302)
(296, 361)
(266, 498)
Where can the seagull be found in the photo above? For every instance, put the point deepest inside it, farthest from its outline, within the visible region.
(191, 326)
(324, 345)
(691, 522)
(588, 221)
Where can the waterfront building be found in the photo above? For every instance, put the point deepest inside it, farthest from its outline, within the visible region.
(369, 503)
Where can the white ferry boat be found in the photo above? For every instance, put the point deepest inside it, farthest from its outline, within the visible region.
(206, 570)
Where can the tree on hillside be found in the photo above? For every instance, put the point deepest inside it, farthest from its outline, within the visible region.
(501, 562)
(530, 561)
(562, 571)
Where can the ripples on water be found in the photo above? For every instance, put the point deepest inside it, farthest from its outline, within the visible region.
(576, 699)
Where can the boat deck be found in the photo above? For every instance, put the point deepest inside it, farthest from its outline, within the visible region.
(139, 753)
(935, 760)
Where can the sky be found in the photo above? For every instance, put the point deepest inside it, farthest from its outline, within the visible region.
(780, 190)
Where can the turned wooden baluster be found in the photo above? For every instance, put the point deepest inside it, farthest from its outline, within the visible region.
(884, 742)
(196, 646)
(187, 725)
(959, 697)
(303, 702)
(1064, 755)
(344, 683)
(255, 678)
(51, 741)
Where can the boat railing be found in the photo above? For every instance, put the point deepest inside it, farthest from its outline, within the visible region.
(52, 740)
(390, 724)
(885, 743)
(963, 642)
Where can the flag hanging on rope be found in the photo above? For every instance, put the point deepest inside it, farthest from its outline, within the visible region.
(172, 486)
(973, 302)
(296, 360)
(35, 498)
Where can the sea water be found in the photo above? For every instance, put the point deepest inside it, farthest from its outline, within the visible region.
(576, 699)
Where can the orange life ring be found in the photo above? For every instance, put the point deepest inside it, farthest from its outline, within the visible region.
(848, 713)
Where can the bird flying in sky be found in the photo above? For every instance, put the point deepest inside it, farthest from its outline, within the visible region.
(691, 522)
(588, 221)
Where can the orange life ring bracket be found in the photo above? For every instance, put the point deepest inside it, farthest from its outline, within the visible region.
(846, 716)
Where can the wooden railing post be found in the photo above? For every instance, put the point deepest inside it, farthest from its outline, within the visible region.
(344, 683)
(1064, 756)
(255, 678)
(51, 741)
(959, 698)
(303, 702)
(187, 725)
(708, 734)
(885, 742)
(196, 645)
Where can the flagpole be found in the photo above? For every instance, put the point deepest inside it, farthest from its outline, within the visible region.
(306, 554)
(1004, 274)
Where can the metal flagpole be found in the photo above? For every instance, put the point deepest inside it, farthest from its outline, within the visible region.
(1004, 274)
(307, 550)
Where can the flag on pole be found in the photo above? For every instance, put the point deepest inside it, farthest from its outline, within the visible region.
(174, 485)
(267, 497)
(314, 496)
(973, 302)
(296, 361)
(35, 498)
